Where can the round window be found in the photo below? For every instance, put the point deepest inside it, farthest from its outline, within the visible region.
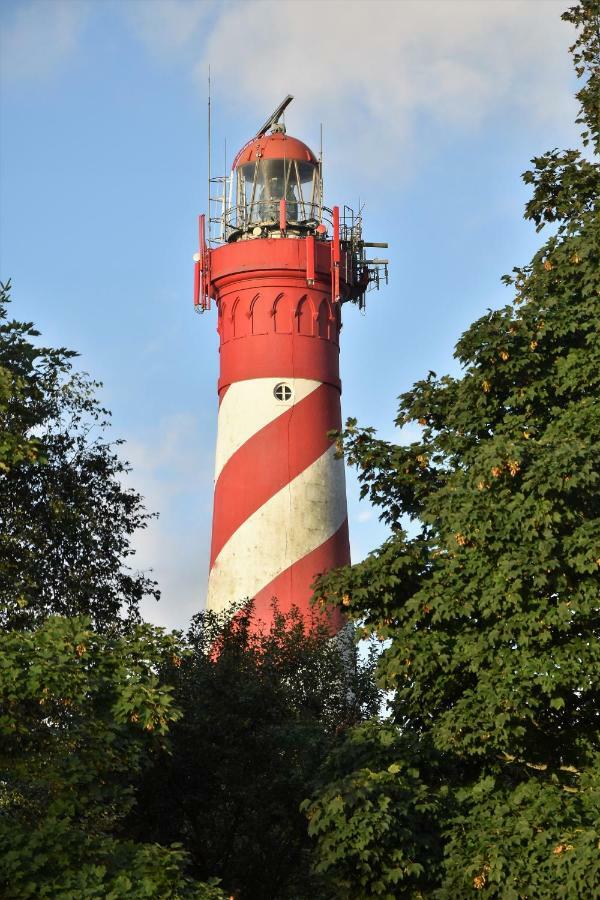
(282, 391)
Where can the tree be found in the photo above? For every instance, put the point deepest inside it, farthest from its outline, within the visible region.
(81, 714)
(67, 520)
(259, 714)
(490, 601)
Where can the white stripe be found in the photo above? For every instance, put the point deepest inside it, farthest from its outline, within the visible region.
(250, 405)
(293, 522)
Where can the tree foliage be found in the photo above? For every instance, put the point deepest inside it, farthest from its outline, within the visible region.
(81, 714)
(490, 600)
(260, 712)
(67, 520)
(82, 711)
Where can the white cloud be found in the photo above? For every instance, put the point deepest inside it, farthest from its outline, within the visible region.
(168, 26)
(372, 70)
(171, 472)
(38, 36)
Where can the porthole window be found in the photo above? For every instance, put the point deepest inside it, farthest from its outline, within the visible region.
(282, 391)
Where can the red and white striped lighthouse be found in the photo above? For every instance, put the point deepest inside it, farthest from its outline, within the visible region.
(278, 272)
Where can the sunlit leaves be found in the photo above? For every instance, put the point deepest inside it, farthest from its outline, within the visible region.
(489, 604)
(81, 714)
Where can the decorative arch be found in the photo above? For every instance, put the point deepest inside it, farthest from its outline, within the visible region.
(228, 313)
(323, 317)
(282, 313)
(260, 314)
(240, 319)
(305, 316)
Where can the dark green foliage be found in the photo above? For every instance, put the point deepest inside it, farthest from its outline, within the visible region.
(529, 835)
(259, 716)
(377, 820)
(81, 715)
(491, 600)
(82, 712)
(66, 519)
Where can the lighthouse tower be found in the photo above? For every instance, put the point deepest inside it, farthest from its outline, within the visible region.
(278, 272)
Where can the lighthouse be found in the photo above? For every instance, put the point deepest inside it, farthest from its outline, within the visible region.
(278, 266)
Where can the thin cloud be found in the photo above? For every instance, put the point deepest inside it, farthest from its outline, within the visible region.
(376, 69)
(37, 38)
(168, 470)
(168, 26)
(373, 72)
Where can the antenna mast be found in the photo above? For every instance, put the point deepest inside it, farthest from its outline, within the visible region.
(208, 156)
(321, 173)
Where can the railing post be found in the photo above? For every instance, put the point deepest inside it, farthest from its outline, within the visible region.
(310, 260)
(335, 256)
(282, 215)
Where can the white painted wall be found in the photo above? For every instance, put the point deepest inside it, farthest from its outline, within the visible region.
(250, 405)
(296, 520)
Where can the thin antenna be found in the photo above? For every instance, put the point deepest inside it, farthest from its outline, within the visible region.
(321, 173)
(208, 210)
(223, 230)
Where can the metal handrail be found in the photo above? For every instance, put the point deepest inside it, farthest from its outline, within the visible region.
(236, 219)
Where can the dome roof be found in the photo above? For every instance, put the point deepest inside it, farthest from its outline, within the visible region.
(274, 146)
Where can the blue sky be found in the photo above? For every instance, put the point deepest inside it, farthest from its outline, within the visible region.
(430, 111)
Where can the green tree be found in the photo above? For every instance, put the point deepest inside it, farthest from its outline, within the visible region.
(66, 519)
(81, 714)
(259, 714)
(490, 600)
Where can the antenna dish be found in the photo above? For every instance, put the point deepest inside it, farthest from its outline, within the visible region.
(274, 117)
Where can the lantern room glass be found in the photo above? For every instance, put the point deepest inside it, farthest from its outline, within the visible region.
(262, 184)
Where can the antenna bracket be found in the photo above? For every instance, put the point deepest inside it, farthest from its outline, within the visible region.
(274, 117)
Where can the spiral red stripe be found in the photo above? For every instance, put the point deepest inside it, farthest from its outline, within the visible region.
(293, 586)
(270, 459)
(222, 393)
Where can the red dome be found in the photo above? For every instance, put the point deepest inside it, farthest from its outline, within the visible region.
(274, 146)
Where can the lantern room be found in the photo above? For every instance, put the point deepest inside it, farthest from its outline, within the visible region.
(272, 168)
(274, 192)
